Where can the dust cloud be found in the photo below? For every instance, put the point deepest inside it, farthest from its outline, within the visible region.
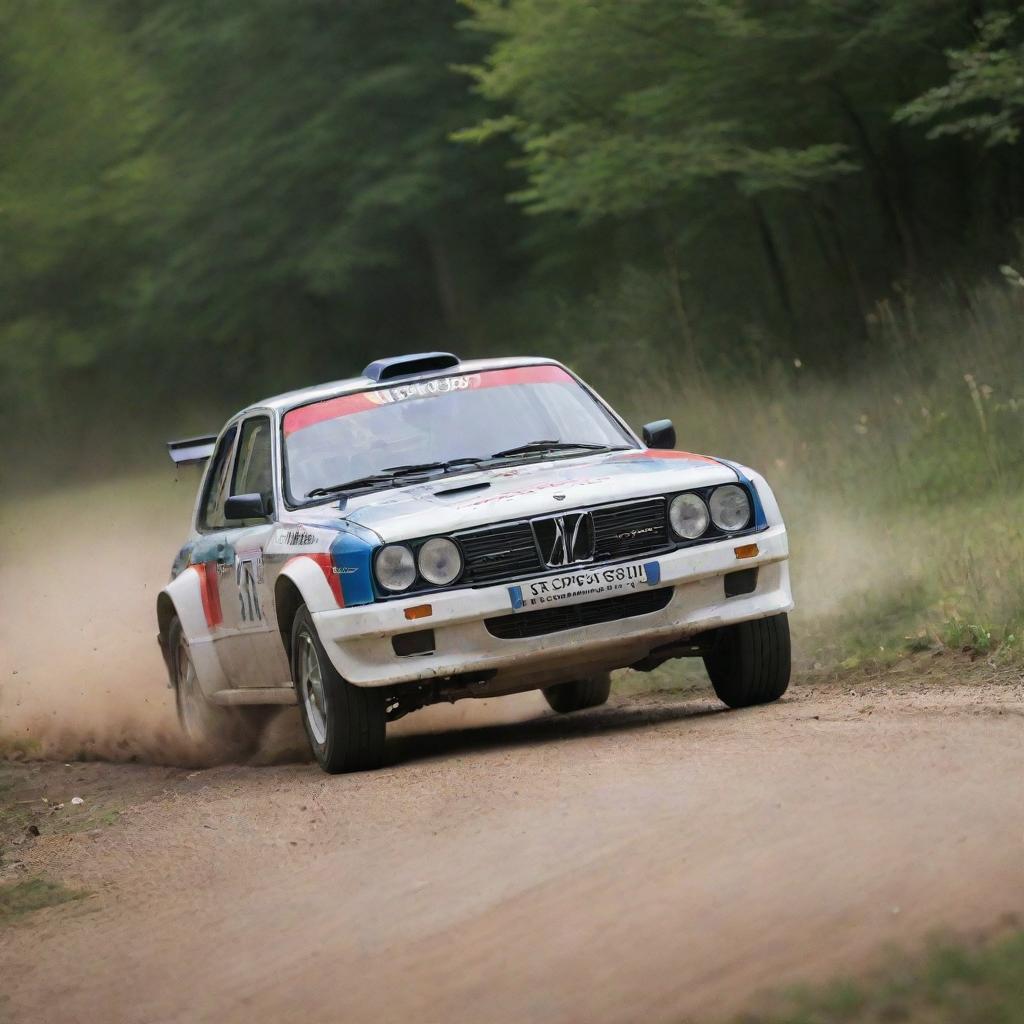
(81, 676)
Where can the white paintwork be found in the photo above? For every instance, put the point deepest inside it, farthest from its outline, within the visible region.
(309, 578)
(358, 639)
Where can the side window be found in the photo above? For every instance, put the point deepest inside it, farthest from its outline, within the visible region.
(252, 466)
(211, 516)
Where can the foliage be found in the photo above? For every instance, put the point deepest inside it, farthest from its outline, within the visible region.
(984, 96)
(199, 203)
(75, 110)
(619, 110)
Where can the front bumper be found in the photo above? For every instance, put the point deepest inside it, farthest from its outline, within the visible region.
(359, 640)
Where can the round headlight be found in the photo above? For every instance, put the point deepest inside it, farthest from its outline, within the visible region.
(730, 508)
(688, 515)
(440, 562)
(395, 567)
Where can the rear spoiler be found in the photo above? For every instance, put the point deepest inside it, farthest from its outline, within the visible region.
(192, 450)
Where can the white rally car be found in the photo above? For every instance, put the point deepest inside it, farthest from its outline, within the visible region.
(437, 529)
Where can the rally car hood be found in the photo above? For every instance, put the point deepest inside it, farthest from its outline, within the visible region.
(462, 501)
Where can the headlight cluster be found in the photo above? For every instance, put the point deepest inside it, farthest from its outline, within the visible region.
(728, 507)
(438, 561)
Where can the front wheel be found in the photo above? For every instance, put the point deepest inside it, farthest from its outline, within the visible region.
(579, 694)
(345, 723)
(749, 662)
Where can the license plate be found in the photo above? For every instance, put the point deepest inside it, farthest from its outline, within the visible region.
(584, 585)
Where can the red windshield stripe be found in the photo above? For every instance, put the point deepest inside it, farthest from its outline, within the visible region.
(346, 405)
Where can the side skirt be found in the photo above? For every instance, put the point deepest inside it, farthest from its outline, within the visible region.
(255, 695)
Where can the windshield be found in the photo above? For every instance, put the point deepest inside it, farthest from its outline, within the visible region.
(445, 419)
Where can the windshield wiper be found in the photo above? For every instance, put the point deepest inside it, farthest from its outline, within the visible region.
(389, 474)
(351, 485)
(426, 467)
(532, 447)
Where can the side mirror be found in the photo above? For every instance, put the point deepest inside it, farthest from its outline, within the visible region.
(245, 506)
(659, 434)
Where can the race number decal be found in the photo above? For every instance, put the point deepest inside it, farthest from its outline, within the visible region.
(248, 577)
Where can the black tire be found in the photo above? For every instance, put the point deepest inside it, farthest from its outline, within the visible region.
(750, 662)
(579, 694)
(221, 732)
(346, 734)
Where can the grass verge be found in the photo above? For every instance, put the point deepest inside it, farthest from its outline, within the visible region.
(953, 983)
(20, 898)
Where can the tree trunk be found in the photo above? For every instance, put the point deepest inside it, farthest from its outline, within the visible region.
(445, 283)
(775, 265)
(892, 216)
(691, 354)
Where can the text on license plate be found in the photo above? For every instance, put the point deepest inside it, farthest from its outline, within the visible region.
(585, 585)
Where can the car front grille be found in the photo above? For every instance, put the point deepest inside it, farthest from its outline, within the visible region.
(508, 551)
(497, 552)
(632, 529)
(573, 616)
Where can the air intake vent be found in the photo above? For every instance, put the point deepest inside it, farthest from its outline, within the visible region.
(409, 366)
(575, 616)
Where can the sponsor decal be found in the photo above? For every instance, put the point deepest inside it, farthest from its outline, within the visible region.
(423, 389)
(537, 488)
(296, 538)
(362, 401)
(248, 577)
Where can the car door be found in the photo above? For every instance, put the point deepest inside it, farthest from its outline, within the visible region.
(249, 645)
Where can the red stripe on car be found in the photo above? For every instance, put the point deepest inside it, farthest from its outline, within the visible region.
(363, 401)
(323, 559)
(210, 593)
(662, 453)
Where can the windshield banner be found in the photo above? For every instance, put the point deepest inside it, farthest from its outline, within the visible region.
(363, 401)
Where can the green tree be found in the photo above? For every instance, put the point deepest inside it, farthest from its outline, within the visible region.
(319, 211)
(984, 96)
(75, 112)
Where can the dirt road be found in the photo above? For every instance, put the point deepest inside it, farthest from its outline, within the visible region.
(656, 860)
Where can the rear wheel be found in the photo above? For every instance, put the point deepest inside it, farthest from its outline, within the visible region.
(226, 731)
(750, 661)
(345, 723)
(579, 694)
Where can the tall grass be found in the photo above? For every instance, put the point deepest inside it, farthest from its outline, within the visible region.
(901, 478)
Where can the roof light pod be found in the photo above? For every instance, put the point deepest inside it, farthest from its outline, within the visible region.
(409, 366)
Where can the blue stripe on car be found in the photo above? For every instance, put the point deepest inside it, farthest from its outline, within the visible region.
(351, 558)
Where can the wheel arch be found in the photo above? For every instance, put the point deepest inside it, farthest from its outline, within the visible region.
(302, 581)
(165, 613)
(287, 601)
